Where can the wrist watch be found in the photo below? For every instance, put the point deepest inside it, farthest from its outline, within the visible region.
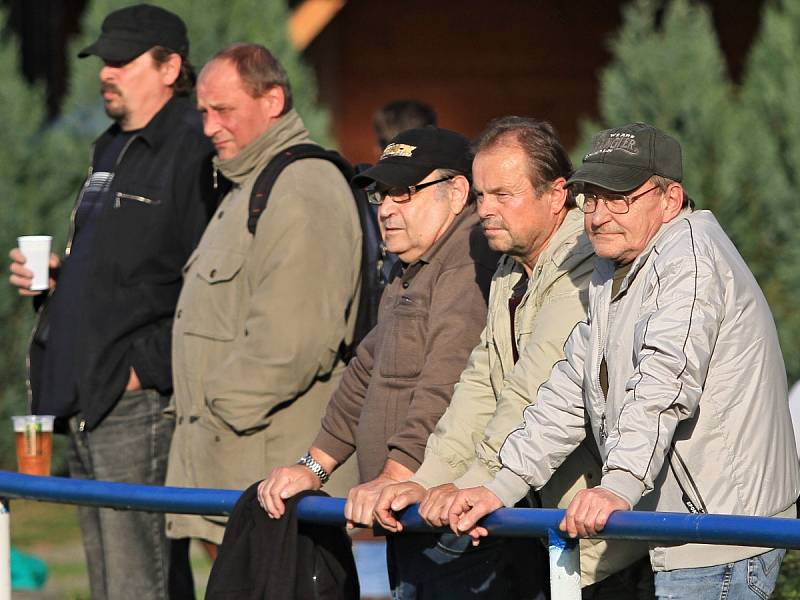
(309, 462)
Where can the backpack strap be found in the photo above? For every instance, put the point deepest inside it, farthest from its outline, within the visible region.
(266, 179)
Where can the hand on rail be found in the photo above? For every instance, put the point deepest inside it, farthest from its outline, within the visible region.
(435, 506)
(394, 498)
(362, 499)
(470, 506)
(589, 510)
(283, 483)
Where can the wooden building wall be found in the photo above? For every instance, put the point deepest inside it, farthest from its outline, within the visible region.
(474, 60)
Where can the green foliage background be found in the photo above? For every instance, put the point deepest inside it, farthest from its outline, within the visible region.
(42, 167)
(741, 143)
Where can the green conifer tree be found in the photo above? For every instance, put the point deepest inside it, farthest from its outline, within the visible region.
(667, 70)
(763, 169)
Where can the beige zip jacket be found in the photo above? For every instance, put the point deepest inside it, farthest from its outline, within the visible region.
(259, 323)
(493, 392)
(696, 419)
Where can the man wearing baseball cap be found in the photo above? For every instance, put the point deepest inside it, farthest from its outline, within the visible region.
(678, 371)
(431, 316)
(100, 356)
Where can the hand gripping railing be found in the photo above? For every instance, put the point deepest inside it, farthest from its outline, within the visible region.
(766, 532)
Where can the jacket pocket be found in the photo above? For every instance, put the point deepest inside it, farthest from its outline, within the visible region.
(403, 352)
(216, 295)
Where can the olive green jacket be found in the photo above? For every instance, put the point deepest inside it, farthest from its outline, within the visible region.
(259, 324)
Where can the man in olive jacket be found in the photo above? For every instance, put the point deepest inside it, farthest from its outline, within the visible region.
(261, 318)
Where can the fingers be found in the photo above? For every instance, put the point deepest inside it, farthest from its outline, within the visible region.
(360, 506)
(435, 506)
(21, 277)
(588, 513)
(470, 506)
(283, 483)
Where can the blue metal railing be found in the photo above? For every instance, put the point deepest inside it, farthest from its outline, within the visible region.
(768, 532)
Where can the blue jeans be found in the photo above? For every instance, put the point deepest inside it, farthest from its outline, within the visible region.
(749, 579)
(443, 566)
(127, 552)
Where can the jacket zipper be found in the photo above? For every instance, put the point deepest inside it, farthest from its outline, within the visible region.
(123, 196)
(696, 505)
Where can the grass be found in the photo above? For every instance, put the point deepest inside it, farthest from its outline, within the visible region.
(51, 532)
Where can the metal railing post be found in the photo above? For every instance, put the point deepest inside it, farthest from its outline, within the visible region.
(5, 550)
(565, 567)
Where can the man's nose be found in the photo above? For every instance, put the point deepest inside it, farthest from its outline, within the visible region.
(487, 207)
(210, 124)
(387, 208)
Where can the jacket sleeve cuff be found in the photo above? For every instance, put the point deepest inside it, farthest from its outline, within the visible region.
(508, 486)
(624, 485)
(334, 447)
(433, 471)
(409, 462)
(477, 474)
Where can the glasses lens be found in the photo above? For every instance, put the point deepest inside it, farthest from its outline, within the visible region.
(587, 202)
(616, 203)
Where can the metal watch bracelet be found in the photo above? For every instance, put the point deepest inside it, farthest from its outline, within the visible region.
(308, 461)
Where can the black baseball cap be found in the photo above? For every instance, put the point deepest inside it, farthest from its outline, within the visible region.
(624, 158)
(128, 32)
(413, 154)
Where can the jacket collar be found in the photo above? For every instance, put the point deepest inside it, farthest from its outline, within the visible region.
(287, 131)
(157, 129)
(568, 248)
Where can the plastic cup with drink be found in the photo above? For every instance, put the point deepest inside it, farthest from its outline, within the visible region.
(34, 438)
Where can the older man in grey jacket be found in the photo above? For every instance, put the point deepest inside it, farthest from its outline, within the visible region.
(677, 369)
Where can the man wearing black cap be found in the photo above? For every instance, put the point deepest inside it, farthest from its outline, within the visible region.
(431, 315)
(678, 370)
(100, 357)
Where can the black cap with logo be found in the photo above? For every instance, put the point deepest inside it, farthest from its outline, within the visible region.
(624, 158)
(412, 155)
(128, 32)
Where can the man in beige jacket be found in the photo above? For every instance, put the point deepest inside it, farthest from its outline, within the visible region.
(261, 317)
(538, 293)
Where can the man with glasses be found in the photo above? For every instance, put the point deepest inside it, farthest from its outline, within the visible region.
(431, 316)
(677, 370)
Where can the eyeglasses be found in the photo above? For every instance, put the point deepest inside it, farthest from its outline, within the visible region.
(619, 204)
(401, 195)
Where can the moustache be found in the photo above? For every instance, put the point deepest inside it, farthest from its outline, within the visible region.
(493, 224)
(109, 87)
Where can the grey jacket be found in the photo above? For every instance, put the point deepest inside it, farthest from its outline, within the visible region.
(696, 418)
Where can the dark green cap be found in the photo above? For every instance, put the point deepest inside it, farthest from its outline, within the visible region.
(624, 158)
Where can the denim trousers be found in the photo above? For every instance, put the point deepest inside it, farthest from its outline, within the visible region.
(127, 552)
(443, 566)
(748, 579)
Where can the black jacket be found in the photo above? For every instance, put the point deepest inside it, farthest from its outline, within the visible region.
(281, 559)
(162, 199)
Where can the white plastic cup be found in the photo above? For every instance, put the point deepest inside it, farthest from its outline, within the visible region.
(36, 249)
